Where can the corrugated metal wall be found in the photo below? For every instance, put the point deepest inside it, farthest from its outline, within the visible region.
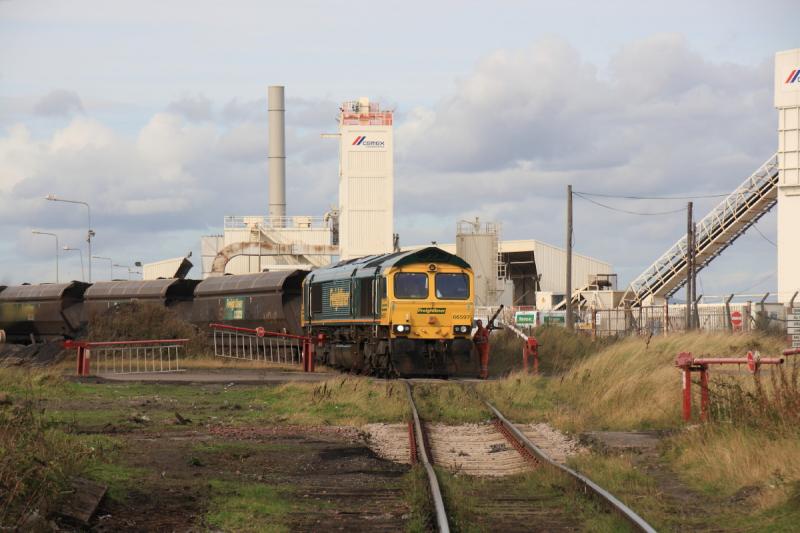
(551, 263)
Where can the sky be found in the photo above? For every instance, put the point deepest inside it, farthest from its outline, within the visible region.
(155, 114)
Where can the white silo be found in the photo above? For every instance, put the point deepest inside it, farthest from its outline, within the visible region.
(366, 184)
(787, 100)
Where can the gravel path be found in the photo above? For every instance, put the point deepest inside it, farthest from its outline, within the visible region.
(473, 449)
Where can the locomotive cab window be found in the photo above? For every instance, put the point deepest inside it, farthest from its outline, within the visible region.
(316, 298)
(410, 285)
(452, 286)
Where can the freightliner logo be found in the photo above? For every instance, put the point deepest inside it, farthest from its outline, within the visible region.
(794, 77)
(361, 140)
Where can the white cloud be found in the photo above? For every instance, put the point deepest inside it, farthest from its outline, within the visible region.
(658, 119)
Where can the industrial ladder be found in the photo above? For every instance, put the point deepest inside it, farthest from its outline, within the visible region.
(723, 225)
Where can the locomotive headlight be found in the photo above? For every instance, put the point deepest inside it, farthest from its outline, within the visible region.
(402, 328)
(461, 329)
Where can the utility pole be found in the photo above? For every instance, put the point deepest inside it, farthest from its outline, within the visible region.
(568, 321)
(695, 317)
(689, 259)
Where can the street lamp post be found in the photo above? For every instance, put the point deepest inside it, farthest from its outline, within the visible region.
(130, 268)
(69, 249)
(36, 232)
(110, 265)
(89, 233)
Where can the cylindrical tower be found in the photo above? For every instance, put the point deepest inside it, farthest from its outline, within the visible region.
(277, 155)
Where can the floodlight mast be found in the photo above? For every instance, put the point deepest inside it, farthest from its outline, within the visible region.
(89, 234)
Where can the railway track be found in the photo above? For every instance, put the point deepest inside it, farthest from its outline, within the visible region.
(514, 509)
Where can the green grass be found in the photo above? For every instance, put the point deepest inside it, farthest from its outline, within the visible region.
(90, 406)
(119, 478)
(237, 506)
(239, 449)
(417, 493)
(449, 403)
(555, 498)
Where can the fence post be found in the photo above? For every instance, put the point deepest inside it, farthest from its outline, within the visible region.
(704, 393)
(666, 318)
(747, 319)
(696, 313)
(728, 322)
(594, 323)
(687, 393)
(628, 317)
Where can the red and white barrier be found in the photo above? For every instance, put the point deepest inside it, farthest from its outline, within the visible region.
(688, 364)
(258, 344)
(127, 357)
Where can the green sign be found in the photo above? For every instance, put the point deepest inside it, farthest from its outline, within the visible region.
(234, 309)
(525, 317)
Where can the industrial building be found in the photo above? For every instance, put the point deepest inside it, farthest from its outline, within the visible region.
(787, 101)
(520, 272)
(511, 272)
(362, 223)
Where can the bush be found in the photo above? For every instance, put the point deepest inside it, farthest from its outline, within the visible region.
(559, 349)
(145, 320)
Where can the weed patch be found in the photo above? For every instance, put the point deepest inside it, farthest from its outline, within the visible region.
(36, 461)
(449, 403)
(237, 506)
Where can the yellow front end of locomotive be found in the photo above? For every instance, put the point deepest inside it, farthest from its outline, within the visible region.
(428, 301)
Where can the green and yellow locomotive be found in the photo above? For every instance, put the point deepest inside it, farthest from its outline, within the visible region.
(404, 313)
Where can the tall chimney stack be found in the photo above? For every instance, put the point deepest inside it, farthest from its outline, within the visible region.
(277, 154)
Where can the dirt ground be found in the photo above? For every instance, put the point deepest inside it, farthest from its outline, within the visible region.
(318, 479)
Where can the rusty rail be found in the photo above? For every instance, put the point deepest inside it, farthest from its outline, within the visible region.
(421, 445)
(588, 485)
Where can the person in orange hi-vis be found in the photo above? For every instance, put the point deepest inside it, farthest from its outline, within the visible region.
(481, 341)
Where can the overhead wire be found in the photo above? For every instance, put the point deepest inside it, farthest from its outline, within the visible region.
(764, 236)
(625, 197)
(612, 208)
(757, 283)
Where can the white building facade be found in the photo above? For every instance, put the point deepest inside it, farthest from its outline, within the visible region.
(366, 180)
(787, 100)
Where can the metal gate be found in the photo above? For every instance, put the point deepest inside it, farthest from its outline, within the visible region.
(128, 357)
(258, 345)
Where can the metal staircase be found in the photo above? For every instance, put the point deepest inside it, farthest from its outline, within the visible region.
(718, 230)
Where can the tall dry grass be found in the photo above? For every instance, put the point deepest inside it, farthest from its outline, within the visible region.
(768, 400)
(559, 349)
(36, 461)
(742, 463)
(630, 384)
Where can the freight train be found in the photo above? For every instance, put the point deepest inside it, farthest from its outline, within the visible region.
(405, 313)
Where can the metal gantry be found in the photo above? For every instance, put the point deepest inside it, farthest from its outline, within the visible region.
(719, 229)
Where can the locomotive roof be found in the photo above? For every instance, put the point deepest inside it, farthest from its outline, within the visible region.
(44, 291)
(276, 281)
(154, 288)
(383, 262)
